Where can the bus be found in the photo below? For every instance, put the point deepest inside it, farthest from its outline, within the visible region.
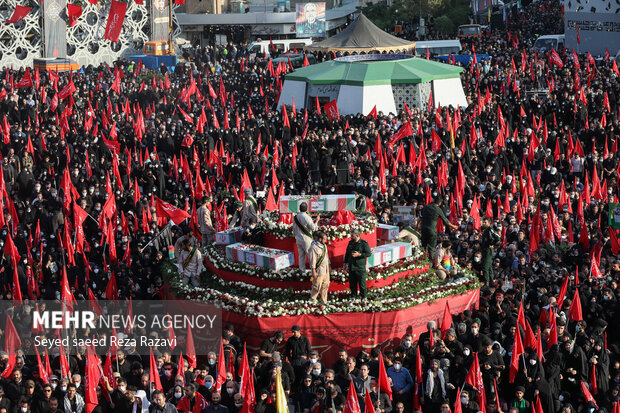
(281, 46)
(469, 30)
(438, 47)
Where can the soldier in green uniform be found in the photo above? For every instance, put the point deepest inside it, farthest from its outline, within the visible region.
(358, 251)
(489, 238)
(428, 225)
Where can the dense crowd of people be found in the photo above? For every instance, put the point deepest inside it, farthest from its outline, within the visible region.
(524, 174)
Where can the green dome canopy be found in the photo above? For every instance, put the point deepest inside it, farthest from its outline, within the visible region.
(367, 70)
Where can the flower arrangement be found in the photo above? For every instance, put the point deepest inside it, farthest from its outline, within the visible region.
(216, 255)
(251, 300)
(365, 223)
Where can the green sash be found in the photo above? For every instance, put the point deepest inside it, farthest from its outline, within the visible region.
(301, 227)
(253, 201)
(412, 231)
(189, 258)
(321, 258)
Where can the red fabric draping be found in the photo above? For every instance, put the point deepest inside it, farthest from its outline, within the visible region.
(354, 331)
(335, 249)
(115, 20)
(301, 285)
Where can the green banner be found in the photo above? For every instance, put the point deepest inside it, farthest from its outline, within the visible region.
(614, 215)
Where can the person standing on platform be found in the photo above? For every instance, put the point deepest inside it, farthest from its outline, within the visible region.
(355, 258)
(428, 226)
(303, 227)
(250, 209)
(319, 264)
(204, 222)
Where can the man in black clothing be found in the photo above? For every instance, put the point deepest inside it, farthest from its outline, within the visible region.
(40, 401)
(297, 346)
(160, 405)
(270, 345)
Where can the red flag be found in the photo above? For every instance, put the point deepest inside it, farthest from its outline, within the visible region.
(26, 80)
(474, 378)
(221, 370)
(111, 291)
(446, 322)
(578, 38)
(166, 210)
(403, 132)
(417, 380)
(92, 377)
(555, 58)
(373, 113)
(74, 12)
(331, 108)
(19, 14)
(42, 373)
(517, 350)
(116, 18)
(153, 376)
(352, 404)
(587, 395)
(562, 293)
(11, 343)
(181, 366)
(190, 351)
(382, 381)
(575, 308)
(368, 406)
(458, 407)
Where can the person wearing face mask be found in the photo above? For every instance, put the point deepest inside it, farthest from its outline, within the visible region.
(176, 396)
(228, 395)
(167, 377)
(192, 402)
(402, 382)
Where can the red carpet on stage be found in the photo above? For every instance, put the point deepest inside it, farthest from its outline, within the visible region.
(355, 331)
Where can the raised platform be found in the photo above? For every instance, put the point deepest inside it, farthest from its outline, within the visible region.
(353, 331)
(55, 64)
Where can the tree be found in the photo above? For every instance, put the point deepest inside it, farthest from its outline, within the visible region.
(444, 25)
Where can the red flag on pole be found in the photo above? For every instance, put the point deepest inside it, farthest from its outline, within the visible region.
(221, 370)
(92, 377)
(352, 404)
(382, 382)
(11, 343)
(575, 308)
(153, 375)
(166, 210)
(190, 350)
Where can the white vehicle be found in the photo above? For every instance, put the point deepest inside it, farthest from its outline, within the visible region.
(438, 47)
(549, 41)
(281, 45)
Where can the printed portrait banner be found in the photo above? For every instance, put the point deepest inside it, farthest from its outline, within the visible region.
(160, 21)
(310, 19)
(115, 20)
(55, 28)
(614, 215)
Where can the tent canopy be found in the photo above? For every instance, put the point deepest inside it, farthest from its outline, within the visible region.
(362, 36)
(372, 70)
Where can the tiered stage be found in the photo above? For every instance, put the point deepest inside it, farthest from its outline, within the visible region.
(403, 293)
